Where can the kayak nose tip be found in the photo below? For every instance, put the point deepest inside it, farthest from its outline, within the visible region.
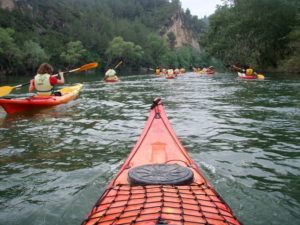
(155, 103)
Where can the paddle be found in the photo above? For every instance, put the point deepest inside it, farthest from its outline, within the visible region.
(237, 68)
(118, 64)
(260, 76)
(5, 90)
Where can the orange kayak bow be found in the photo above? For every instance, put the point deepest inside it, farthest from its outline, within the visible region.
(159, 183)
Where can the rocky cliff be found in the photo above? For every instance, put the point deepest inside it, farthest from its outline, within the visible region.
(8, 4)
(184, 36)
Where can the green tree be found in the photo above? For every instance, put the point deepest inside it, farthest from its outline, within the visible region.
(184, 56)
(10, 54)
(172, 40)
(170, 59)
(127, 51)
(34, 54)
(250, 32)
(292, 62)
(156, 47)
(74, 53)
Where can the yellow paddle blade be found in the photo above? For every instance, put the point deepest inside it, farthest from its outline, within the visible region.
(86, 67)
(71, 89)
(260, 77)
(5, 90)
(118, 64)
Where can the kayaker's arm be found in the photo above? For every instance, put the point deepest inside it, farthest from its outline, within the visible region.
(62, 79)
(31, 87)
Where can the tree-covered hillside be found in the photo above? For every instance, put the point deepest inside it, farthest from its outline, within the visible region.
(72, 32)
(260, 33)
(263, 34)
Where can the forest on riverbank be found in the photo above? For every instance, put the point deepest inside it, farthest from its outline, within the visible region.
(263, 34)
(73, 32)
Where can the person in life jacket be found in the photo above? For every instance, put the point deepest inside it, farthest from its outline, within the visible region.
(157, 71)
(209, 69)
(170, 72)
(165, 71)
(176, 71)
(110, 73)
(204, 70)
(250, 72)
(43, 82)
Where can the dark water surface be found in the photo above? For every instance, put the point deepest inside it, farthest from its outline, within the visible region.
(244, 135)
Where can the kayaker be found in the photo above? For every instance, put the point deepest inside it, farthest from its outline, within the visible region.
(209, 69)
(170, 72)
(110, 73)
(165, 71)
(250, 72)
(157, 70)
(43, 82)
(204, 70)
(176, 71)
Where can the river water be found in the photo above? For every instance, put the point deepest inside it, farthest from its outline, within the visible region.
(244, 135)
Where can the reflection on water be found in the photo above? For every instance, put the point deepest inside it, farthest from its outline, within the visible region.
(244, 135)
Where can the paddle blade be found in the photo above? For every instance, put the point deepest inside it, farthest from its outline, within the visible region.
(5, 90)
(86, 67)
(71, 89)
(118, 64)
(260, 77)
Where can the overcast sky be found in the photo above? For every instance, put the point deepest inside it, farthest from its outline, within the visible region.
(201, 8)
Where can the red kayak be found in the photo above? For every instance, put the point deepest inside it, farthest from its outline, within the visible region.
(111, 80)
(244, 76)
(211, 72)
(36, 102)
(159, 184)
(170, 77)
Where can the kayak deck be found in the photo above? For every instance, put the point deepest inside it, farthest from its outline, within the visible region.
(161, 204)
(18, 105)
(156, 196)
(116, 79)
(244, 76)
(170, 77)
(208, 72)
